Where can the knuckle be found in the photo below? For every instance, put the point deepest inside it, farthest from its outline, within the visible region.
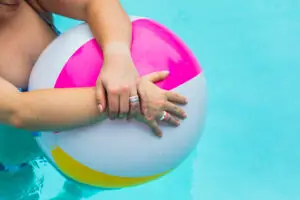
(111, 89)
(118, 90)
(125, 89)
(114, 89)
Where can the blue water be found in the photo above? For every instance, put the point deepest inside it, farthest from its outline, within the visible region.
(250, 52)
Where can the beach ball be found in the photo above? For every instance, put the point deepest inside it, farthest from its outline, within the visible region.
(117, 154)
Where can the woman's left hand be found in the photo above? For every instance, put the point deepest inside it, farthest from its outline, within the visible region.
(117, 81)
(158, 104)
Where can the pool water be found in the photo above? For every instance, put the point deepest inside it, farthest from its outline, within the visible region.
(250, 53)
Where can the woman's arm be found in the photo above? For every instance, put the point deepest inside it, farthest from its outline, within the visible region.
(51, 109)
(107, 19)
(111, 27)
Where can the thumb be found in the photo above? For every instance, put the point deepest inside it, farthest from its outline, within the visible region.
(100, 96)
(157, 76)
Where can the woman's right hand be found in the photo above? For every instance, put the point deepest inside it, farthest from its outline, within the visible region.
(158, 104)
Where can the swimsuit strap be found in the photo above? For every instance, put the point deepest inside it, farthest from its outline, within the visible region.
(52, 26)
(43, 14)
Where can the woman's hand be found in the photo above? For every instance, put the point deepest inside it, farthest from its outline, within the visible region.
(158, 104)
(117, 82)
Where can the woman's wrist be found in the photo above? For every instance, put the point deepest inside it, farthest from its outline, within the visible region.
(116, 48)
(117, 54)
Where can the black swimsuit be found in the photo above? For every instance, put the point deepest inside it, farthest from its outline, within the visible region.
(52, 26)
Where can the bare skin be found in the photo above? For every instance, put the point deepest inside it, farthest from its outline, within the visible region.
(23, 36)
(18, 31)
(19, 27)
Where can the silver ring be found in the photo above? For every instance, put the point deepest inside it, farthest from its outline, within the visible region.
(134, 99)
(164, 116)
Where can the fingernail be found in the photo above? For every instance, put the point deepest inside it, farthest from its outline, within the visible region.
(100, 107)
(166, 72)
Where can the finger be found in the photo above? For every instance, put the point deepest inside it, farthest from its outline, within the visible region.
(134, 110)
(176, 98)
(134, 103)
(143, 101)
(155, 128)
(113, 103)
(171, 120)
(100, 97)
(174, 110)
(124, 102)
(157, 76)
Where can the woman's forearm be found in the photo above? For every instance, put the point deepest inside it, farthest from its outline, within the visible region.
(109, 22)
(56, 109)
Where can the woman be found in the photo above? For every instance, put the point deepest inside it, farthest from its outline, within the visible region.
(25, 30)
